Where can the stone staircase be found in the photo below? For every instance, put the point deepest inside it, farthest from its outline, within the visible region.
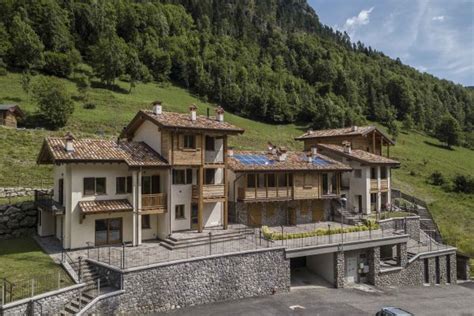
(185, 240)
(90, 277)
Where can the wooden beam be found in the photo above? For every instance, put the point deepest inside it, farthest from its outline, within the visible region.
(388, 150)
(373, 142)
(201, 187)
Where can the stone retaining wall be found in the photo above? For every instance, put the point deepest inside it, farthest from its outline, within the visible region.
(19, 191)
(45, 304)
(193, 282)
(18, 220)
(411, 224)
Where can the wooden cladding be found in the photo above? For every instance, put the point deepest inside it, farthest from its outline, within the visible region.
(306, 186)
(209, 191)
(8, 119)
(374, 186)
(384, 184)
(154, 203)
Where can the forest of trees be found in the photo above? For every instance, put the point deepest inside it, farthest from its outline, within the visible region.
(270, 60)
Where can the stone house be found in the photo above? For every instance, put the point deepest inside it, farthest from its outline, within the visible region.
(10, 114)
(165, 173)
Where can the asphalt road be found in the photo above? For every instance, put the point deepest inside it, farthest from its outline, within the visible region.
(434, 300)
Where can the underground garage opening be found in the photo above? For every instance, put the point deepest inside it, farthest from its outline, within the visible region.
(316, 270)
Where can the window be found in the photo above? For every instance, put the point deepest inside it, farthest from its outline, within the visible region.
(146, 222)
(210, 176)
(189, 141)
(329, 183)
(308, 180)
(282, 180)
(210, 143)
(383, 172)
(271, 181)
(179, 211)
(325, 183)
(373, 173)
(123, 185)
(182, 176)
(251, 181)
(94, 186)
(357, 173)
(151, 184)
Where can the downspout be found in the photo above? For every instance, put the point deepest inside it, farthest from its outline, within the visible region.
(235, 195)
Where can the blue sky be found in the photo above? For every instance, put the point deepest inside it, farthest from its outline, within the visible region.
(435, 36)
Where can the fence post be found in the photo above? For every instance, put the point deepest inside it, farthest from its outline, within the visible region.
(3, 293)
(370, 231)
(329, 233)
(98, 286)
(123, 255)
(282, 235)
(260, 234)
(32, 287)
(59, 280)
(210, 243)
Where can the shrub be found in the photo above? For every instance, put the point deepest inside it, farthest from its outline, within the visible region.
(57, 64)
(436, 178)
(53, 101)
(463, 184)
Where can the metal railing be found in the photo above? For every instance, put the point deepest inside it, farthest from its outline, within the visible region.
(19, 289)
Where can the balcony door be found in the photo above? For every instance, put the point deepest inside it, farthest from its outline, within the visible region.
(108, 231)
(194, 216)
(151, 184)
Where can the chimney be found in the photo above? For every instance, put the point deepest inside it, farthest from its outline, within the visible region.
(281, 154)
(157, 108)
(193, 109)
(271, 148)
(69, 142)
(314, 151)
(310, 158)
(347, 147)
(355, 128)
(220, 114)
(230, 152)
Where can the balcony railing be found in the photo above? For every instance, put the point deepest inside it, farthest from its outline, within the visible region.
(384, 184)
(154, 202)
(209, 191)
(374, 186)
(44, 200)
(284, 193)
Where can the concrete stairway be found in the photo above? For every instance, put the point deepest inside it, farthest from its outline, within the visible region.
(183, 241)
(90, 277)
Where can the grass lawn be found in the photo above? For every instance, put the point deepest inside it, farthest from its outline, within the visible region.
(419, 154)
(21, 260)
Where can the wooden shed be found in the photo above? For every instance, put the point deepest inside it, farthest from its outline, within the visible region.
(10, 114)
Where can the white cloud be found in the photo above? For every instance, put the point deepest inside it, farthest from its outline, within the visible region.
(363, 18)
(439, 18)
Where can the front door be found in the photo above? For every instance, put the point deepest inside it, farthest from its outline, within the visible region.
(292, 216)
(359, 203)
(317, 211)
(108, 231)
(254, 215)
(351, 269)
(194, 216)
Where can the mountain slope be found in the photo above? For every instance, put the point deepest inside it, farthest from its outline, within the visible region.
(270, 60)
(419, 154)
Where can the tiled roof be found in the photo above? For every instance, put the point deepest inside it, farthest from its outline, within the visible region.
(183, 120)
(359, 155)
(12, 108)
(294, 161)
(134, 154)
(106, 206)
(339, 132)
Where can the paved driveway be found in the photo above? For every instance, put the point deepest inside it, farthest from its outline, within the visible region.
(439, 300)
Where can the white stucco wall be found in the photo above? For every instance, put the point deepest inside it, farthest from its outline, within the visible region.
(46, 228)
(150, 134)
(216, 155)
(213, 214)
(322, 265)
(181, 194)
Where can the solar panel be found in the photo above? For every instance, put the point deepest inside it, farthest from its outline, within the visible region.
(320, 161)
(253, 159)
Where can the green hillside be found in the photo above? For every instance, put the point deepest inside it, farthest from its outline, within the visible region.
(419, 154)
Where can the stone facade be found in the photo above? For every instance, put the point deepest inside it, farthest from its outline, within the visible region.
(18, 220)
(273, 213)
(339, 269)
(373, 260)
(200, 281)
(46, 304)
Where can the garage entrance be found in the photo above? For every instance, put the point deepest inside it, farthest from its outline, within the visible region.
(312, 271)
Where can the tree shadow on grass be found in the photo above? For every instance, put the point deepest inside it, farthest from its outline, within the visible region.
(11, 99)
(112, 87)
(438, 145)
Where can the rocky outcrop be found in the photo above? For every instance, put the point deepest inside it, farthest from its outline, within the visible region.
(18, 220)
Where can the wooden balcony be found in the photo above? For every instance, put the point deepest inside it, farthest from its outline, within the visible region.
(270, 193)
(383, 184)
(154, 203)
(374, 187)
(44, 201)
(209, 191)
